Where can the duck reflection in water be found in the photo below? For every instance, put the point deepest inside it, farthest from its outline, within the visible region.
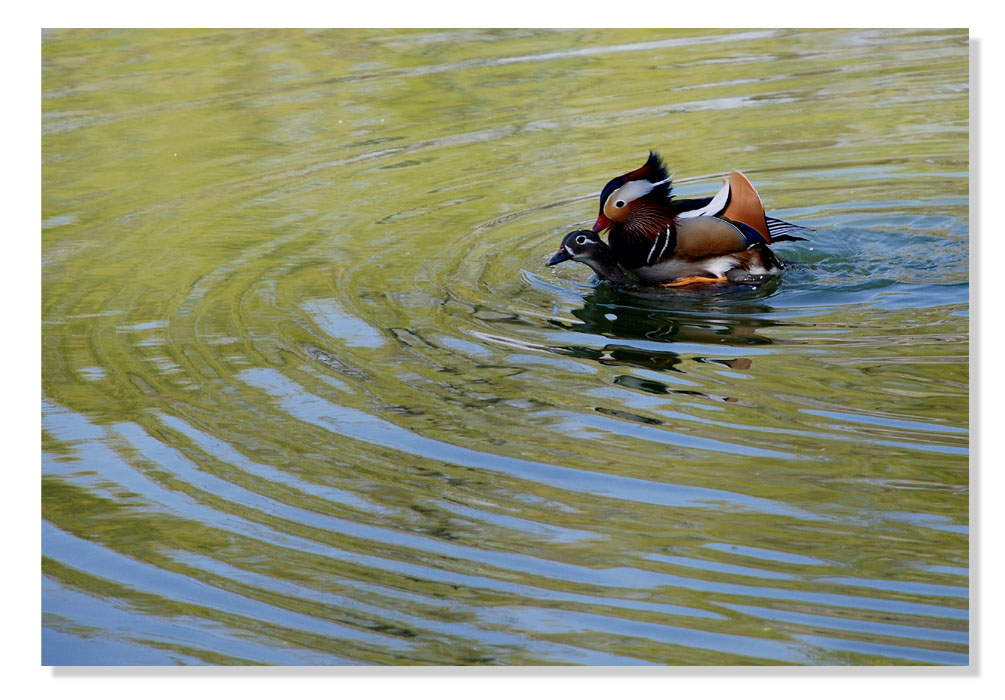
(699, 317)
(694, 318)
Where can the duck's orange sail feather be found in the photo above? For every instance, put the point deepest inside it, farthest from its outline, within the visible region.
(745, 205)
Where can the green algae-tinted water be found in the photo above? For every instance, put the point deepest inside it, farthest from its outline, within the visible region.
(310, 395)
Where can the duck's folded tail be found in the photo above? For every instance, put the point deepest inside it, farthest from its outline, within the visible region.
(784, 231)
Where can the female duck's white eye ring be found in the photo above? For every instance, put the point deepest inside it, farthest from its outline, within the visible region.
(620, 203)
(580, 240)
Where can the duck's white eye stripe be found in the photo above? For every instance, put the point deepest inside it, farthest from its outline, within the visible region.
(630, 191)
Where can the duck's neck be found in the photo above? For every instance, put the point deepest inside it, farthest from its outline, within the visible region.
(604, 264)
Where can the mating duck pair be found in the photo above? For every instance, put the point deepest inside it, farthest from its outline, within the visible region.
(656, 240)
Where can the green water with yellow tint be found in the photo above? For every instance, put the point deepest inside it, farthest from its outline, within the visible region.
(311, 396)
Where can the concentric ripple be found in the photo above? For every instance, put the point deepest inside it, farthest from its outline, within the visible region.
(310, 395)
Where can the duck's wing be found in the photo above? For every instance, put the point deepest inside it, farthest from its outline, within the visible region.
(711, 248)
(705, 236)
(709, 206)
(738, 201)
(697, 237)
(745, 205)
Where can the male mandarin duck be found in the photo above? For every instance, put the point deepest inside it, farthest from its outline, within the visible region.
(656, 240)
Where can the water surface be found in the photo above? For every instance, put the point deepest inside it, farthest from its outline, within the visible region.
(310, 395)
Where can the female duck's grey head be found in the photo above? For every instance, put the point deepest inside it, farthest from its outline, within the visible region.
(586, 247)
(582, 246)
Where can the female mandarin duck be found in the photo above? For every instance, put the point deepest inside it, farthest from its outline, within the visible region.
(655, 240)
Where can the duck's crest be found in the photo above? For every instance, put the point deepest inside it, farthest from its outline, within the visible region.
(654, 171)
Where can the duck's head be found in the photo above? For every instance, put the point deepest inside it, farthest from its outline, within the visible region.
(586, 247)
(582, 246)
(621, 195)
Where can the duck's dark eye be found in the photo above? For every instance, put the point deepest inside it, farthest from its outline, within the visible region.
(620, 203)
(580, 240)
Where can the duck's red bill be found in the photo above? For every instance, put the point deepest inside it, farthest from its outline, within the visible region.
(602, 223)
